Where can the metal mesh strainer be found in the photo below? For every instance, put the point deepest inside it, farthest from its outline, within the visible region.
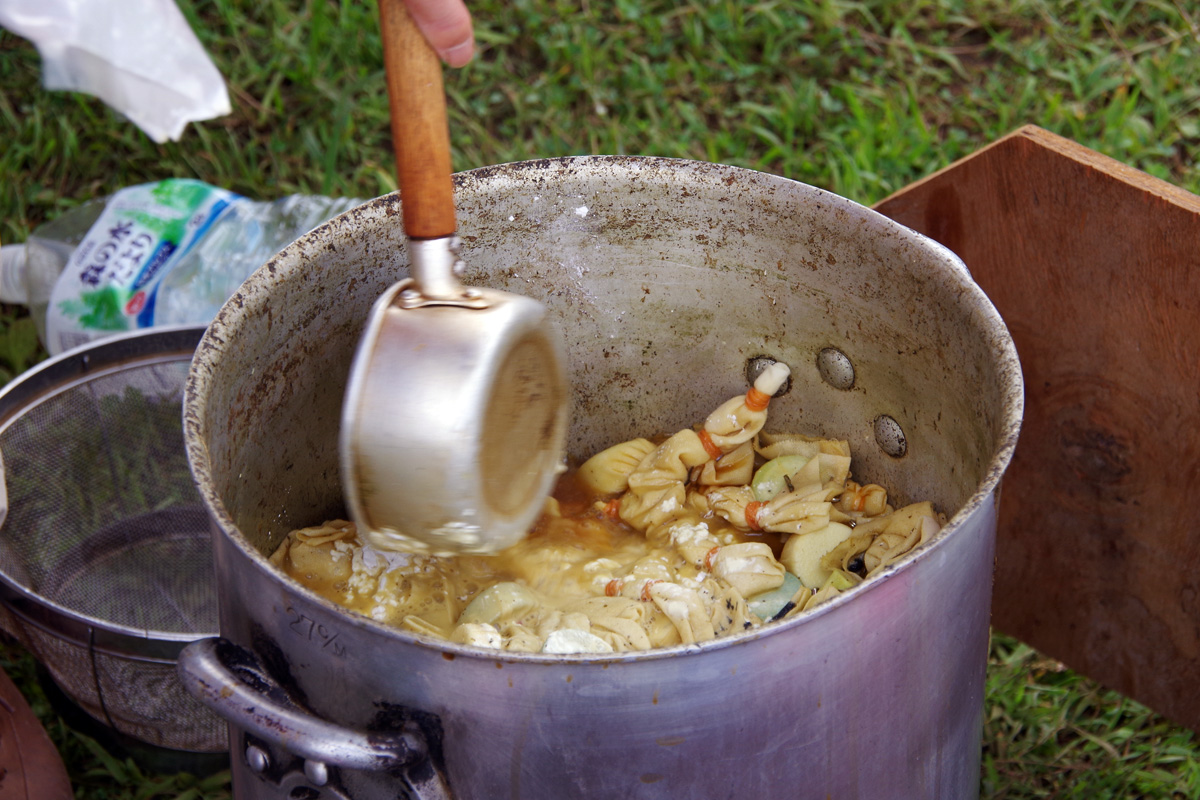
(105, 558)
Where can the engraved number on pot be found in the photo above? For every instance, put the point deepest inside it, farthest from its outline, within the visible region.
(313, 631)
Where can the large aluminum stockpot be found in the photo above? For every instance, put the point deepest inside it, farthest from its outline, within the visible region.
(666, 278)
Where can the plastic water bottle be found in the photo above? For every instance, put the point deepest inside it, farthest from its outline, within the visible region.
(164, 253)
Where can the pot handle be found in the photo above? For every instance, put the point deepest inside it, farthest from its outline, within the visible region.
(231, 681)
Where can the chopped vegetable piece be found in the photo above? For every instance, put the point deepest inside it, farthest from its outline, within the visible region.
(773, 476)
(802, 552)
(766, 605)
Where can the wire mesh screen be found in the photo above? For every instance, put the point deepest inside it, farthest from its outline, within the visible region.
(134, 697)
(104, 519)
(105, 557)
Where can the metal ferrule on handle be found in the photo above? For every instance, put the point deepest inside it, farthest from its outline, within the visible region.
(434, 265)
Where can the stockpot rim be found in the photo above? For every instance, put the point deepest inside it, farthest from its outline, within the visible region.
(241, 305)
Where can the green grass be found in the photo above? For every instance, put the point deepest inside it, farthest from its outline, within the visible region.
(858, 97)
(1051, 733)
(861, 98)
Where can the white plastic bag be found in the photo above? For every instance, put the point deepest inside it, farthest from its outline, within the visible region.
(138, 56)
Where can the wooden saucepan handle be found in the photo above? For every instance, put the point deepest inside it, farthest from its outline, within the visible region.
(420, 133)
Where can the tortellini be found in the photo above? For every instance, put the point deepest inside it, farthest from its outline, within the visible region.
(686, 609)
(705, 533)
(749, 567)
(731, 469)
(657, 486)
(608, 471)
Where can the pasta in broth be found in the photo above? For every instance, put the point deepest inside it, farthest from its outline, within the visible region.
(707, 533)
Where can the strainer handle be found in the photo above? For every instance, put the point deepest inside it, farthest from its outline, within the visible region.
(233, 682)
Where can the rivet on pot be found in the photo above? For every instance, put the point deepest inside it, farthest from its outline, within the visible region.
(316, 772)
(836, 368)
(755, 367)
(890, 437)
(257, 759)
(409, 298)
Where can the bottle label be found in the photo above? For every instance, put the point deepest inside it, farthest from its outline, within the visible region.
(111, 281)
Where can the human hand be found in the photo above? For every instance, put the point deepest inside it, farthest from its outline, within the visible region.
(447, 26)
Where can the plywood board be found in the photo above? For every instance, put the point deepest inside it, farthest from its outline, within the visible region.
(1095, 267)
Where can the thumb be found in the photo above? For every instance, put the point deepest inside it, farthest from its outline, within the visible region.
(447, 26)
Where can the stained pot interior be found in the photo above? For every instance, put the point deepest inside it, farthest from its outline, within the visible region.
(664, 277)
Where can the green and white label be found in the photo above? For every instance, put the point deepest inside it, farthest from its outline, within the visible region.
(111, 281)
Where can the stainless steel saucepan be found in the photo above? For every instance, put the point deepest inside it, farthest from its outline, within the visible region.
(455, 410)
